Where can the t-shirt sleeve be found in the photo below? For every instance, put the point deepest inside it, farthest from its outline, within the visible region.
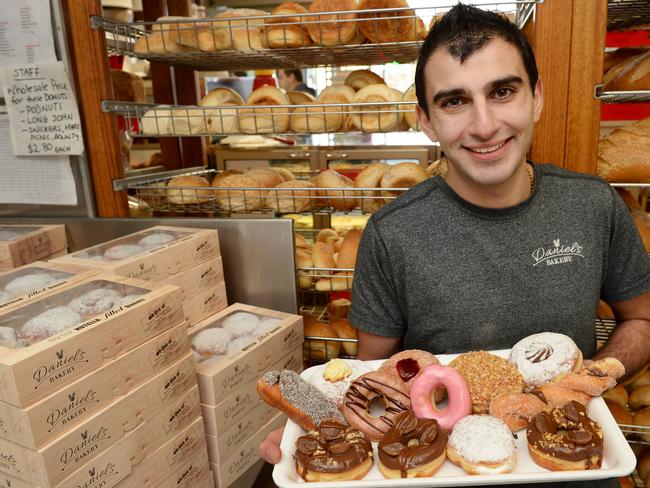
(375, 301)
(628, 267)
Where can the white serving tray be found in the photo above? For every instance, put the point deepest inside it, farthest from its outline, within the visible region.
(618, 459)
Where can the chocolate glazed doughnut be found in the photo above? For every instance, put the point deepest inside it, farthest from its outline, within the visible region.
(392, 394)
(565, 439)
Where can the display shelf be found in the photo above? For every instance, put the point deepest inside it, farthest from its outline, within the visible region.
(327, 280)
(622, 14)
(639, 96)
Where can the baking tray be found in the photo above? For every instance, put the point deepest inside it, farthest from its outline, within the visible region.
(618, 458)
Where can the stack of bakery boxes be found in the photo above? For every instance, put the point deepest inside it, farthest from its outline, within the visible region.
(97, 380)
(24, 244)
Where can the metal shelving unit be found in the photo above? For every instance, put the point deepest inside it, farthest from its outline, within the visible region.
(622, 14)
(640, 96)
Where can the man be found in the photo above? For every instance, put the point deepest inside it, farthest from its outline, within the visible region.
(291, 80)
(502, 248)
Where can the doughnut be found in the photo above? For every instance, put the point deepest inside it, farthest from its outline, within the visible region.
(211, 342)
(488, 376)
(390, 392)
(28, 283)
(95, 302)
(48, 323)
(640, 397)
(156, 240)
(376, 118)
(424, 384)
(240, 343)
(328, 30)
(122, 251)
(407, 365)
(402, 175)
(8, 338)
(482, 444)
(241, 323)
(565, 439)
(556, 396)
(267, 325)
(542, 357)
(412, 448)
(370, 177)
(333, 452)
(302, 402)
(334, 377)
(516, 409)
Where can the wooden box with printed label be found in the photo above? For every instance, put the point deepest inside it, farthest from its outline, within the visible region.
(24, 244)
(154, 254)
(167, 403)
(64, 335)
(40, 423)
(204, 304)
(199, 278)
(219, 379)
(193, 473)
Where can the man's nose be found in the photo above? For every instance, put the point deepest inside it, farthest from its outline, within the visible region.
(484, 123)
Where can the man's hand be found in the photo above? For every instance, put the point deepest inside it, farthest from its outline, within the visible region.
(270, 447)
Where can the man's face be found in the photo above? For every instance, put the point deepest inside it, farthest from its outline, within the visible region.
(481, 112)
(284, 80)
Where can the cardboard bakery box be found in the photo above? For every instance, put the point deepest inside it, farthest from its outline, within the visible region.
(178, 454)
(199, 278)
(154, 254)
(204, 304)
(239, 405)
(219, 378)
(168, 402)
(24, 244)
(228, 471)
(41, 360)
(193, 473)
(40, 423)
(22, 284)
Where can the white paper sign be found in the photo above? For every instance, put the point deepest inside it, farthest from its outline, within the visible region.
(42, 110)
(43, 180)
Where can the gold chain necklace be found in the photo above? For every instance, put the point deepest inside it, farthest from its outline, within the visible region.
(531, 177)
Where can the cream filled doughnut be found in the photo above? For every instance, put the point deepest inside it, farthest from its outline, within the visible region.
(482, 444)
(123, 251)
(240, 343)
(211, 342)
(48, 323)
(27, 283)
(95, 302)
(267, 325)
(459, 404)
(335, 377)
(542, 357)
(241, 323)
(155, 240)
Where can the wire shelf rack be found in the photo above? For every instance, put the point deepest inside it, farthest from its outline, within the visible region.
(338, 38)
(325, 280)
(622, 14)
(639, 96)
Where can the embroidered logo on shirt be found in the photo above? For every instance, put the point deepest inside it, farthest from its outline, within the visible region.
(558, 254)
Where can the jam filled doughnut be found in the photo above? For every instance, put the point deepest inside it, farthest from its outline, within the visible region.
(482, 444)
(565, 439)
(28, 283)
(333, 452)
(542, 357)
(488, 376)
(211, 342)
(406, 365)
(48, 323)
(459, 403)
(95, 302)
(412, 448)
(390, 392)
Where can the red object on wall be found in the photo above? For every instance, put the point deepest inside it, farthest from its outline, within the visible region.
(624, 111)
(628, 38)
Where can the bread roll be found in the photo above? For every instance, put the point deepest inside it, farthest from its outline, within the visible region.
(295, 200)
(186, 121)
(311, 120)
(301, 242)
(361, 78)
(376, 118)
(325, 234)
(344, 200)
(632, 74)
(402, 175)
(640, 397)
(156, 121)
(398, 26)
(321, 350)
(287, 32)
(266, 177)
(201, 34)
(300, 98)
(322, 256)
(348, 253)
(410, 117)
(222, 120)
(370, 177)
(305, 278)
(437, 168)
(339, 282)
(337, 94)
(245, 200)
(618, 394)
(613, 58)
(345, 331)
(641, 378)
(643, 465)
(127, 87)
(156, 43)
(623, 155)
(240, 35)
(187, 195)
(265, 120)
(338, 308)
(222, 174)
(284, 173)
(327, 30)
(621, 414)
(642, 418)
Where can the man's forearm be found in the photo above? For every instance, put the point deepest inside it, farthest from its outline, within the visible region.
(630, 344)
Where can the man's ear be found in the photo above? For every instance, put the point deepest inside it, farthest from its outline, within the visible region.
(538, 99)
(425, 124)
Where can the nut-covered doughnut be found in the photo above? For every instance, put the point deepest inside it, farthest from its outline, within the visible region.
(391, 394)
(333, 452)
(565, 439)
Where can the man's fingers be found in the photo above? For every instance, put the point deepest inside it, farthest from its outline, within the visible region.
(270, 447)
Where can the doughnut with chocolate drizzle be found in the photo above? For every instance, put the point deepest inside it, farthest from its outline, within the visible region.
(412, 448)
(392, 394)
(333, 452)
(565, 439)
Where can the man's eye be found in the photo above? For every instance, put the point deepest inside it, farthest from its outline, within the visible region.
(502, 92)
(452, 102)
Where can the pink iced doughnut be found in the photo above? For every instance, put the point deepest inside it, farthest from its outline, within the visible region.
(459, 404)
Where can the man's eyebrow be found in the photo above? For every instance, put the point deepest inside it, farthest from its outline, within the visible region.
(513, 79)
(456, 92)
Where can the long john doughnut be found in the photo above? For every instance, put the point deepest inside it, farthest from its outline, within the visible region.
(459, 403)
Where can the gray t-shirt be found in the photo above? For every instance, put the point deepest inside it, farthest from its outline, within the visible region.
(448, 276)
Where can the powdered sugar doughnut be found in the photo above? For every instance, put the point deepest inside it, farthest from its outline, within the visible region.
(48, 323)
(267, 325)
(4, 297)
(24, 284)
(123, 251)
(482, 444)
(335, 387)
(241, 324)
(240, 343)
(8, 337)
(95, 302)
(211, 342)
(156, 240)
(542, 357)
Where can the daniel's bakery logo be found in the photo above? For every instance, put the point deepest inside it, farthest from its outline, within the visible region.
(61, 367)
(99, 478)
(558, 254)
(144, 272)
(90, 442)
(74, 407)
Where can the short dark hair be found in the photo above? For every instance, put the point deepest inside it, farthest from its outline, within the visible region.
(463, 31)
(297, 74)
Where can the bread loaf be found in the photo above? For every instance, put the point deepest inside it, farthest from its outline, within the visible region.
(623, 155)
(305, 278)
(222, 120)
(613, 58)
(348, 253)
(632, 74)
(345, 331)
